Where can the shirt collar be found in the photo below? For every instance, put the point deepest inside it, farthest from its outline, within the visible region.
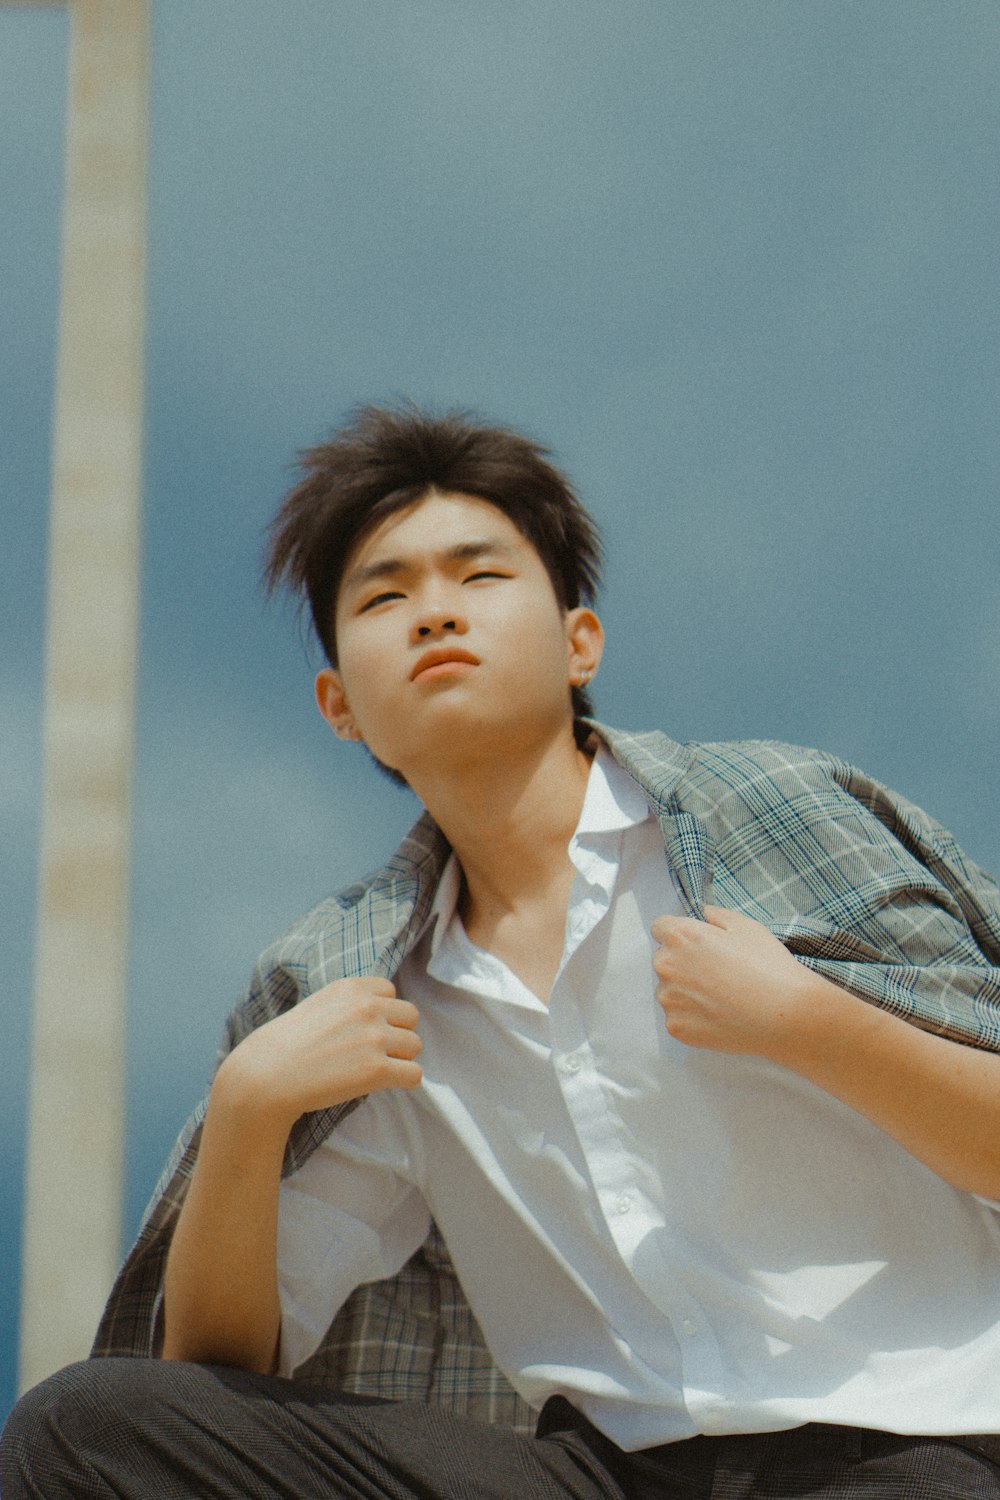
(612, 802)
(444, 904)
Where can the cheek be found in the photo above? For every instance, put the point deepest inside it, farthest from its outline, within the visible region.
(364, 690)
(364, 656)
(538, 626)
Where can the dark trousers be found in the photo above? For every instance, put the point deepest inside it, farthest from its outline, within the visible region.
(147, 1430)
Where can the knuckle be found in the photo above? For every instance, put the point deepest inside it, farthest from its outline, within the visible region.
(370, 1010)
(374, 1038)
(396, 1073)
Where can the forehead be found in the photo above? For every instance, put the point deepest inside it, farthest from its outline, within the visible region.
(435, 523)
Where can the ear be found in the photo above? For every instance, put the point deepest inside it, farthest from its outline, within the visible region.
(585, 644)
(333, 705)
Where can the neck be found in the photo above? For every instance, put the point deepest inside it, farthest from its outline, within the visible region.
(509, 820)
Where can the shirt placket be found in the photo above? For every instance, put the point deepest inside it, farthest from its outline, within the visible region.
(629, 1213)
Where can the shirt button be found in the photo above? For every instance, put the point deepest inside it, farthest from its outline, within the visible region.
(573, 1064)
(623, 1203)
(690, 1327)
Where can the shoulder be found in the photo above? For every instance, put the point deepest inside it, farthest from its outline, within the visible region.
(814, 784)
(822, 812)
(786, 788)
(749, 763)
(797, 796)
(365, 928)
(653, 756)
(808, 793)
(705, 770)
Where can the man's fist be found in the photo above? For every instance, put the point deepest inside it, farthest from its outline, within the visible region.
(352, 1037)
(729, 985)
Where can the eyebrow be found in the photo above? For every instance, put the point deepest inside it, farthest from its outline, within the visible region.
(388, 567)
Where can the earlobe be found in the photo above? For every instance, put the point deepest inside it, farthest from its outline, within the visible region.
(332, 703)
(585, 639)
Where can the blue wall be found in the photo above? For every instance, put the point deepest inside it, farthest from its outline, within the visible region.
(735, 264)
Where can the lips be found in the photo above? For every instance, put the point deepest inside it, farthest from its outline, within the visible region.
(438, 656)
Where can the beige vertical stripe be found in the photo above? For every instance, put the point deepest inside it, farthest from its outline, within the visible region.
(73, 1204)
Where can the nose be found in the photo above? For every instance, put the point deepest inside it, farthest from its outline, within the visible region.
(437, 620)
(438, 609)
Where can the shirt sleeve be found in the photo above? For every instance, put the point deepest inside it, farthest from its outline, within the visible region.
(350, 1214)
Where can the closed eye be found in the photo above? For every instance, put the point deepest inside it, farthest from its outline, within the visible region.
(382, 598)
(484, 573)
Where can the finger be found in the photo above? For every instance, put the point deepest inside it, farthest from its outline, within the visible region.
(405, 1075)
(404, 1044)
(664, 927)
(403, 1013)
(380, 985)
(662, 963)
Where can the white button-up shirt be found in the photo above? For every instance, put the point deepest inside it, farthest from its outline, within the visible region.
(679, 1241)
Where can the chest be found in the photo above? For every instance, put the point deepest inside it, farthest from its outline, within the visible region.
(573, 981)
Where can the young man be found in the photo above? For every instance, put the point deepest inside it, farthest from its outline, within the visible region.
(683, 1058)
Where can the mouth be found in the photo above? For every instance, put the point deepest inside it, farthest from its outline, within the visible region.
(442, 657)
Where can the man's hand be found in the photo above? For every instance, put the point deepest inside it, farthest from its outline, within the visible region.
(352, 1037)
(729, 985)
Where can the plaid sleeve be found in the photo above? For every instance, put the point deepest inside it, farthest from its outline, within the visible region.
(131, 1322)
(860, 884)
(412, 1337)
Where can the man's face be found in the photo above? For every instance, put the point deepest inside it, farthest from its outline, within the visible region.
(450, 640)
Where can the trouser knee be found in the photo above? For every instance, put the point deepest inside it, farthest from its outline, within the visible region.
(41, 1444)
(76, 1433)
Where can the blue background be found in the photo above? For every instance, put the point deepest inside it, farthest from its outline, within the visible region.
(736, 264)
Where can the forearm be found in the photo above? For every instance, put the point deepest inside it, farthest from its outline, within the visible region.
(221, 1293)
(728, 984)
(938, 1099)
(350, 1038)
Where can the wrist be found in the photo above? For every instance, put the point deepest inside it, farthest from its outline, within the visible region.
(243, 1096)
(829, 1029)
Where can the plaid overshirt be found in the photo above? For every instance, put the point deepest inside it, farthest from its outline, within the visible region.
(859, 884)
